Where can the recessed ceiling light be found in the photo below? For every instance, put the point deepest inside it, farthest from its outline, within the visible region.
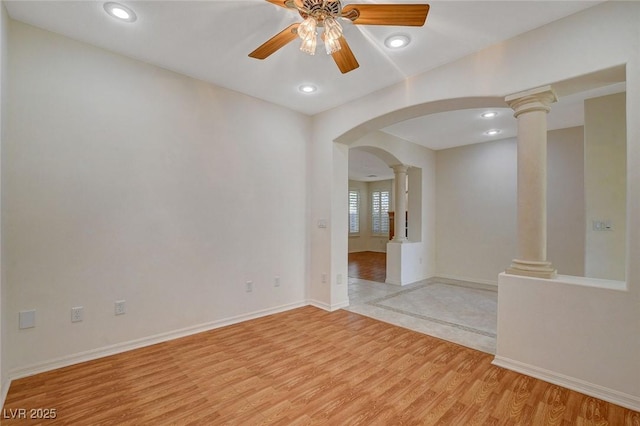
(307, 88)
(492, 132)
(120, 11)
(489, 114)
(397, 41)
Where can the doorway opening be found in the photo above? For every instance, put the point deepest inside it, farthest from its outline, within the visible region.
(370, 205)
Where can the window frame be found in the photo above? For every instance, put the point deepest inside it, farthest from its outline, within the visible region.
(357, 212)
(381, 216)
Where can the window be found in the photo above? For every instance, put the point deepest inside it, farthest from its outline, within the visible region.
(354, 212)
(380, 212)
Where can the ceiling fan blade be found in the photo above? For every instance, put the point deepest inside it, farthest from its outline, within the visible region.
(283, 3)
(276, 42)
(345, 59)
(280, 3)
(413, 15)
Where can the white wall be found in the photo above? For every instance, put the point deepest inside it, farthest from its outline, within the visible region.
(122, 180)
(4, 33)
(565, 200)
(476, 210)
(339, 228)
(414, 206)
(605, 184)
(476, 207)
(578, 333)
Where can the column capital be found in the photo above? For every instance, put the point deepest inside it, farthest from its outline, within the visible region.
(538, 99)
(400, 168)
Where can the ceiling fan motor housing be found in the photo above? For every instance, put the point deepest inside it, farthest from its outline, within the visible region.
(320, 9)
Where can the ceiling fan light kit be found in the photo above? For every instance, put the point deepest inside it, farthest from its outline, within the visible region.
(307, 28)
(309, 43)
(332, 45)
(326, 14)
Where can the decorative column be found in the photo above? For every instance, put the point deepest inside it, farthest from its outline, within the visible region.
(400, 171)
(531, 108)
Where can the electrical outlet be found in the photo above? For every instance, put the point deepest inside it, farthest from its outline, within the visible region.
(120, 307)
(339, 279)
(27, 319)
(276, 282)
(324, 278)
(77, 314)
(248, 286)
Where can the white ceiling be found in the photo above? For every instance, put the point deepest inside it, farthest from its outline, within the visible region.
(465, 127)
(210, 40)
(367, 167)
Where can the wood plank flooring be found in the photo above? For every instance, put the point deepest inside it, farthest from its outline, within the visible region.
(301, 367)
(368, 265)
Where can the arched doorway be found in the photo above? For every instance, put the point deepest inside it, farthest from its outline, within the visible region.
(374, 231)
(370, 201)
(414, 261)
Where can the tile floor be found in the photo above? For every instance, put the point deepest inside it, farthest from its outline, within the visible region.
(457, 311)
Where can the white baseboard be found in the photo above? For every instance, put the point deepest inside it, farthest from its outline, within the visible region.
(319, 304)
(606, 394)
(340, 305)
(140, 343)
(471, 280)
(5, 391)
(326, 306)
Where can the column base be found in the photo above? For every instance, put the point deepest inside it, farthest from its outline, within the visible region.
(532, 268)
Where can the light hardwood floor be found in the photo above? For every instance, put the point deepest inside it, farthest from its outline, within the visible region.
(368, 265)
(305, 366)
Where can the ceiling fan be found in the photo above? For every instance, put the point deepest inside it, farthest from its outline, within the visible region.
(326, 14)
